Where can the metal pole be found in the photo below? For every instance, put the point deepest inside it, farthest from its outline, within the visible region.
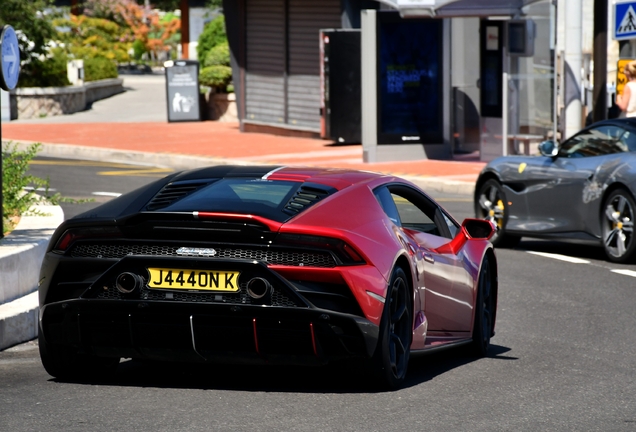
(555, 74)
(573, 58)
(504, 114)
(9, 72)
(600, 61)
(1, 183)
(185, 28)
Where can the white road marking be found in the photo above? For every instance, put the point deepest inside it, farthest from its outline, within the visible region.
(560, 257)
(30, 188)
(110, 194)
(624, 272)
(631, 273)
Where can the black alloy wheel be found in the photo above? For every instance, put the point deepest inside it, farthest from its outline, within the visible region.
(391, 356)
(65, 364)
(491, 204)
(485, 309)
(617, 224)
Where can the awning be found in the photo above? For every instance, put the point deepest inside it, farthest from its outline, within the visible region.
(457, 8)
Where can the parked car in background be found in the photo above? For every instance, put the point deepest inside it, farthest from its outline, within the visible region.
(261, 264)
(582, 189)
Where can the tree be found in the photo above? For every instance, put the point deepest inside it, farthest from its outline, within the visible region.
(32, 20)
(107, 8)
(146, 29)
(33, 26)
(213, 34)
(164, 5)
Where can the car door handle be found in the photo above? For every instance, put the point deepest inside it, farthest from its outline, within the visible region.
(429, 258)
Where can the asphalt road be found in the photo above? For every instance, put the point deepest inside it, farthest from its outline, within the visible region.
(90, 183)
(563, 359)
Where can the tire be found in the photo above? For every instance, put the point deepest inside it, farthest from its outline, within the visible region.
(485, 310)
(391, 357)
(491, 204)
(65, 364)
(617, 226)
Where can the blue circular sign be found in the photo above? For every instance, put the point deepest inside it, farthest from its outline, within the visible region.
(9, 58)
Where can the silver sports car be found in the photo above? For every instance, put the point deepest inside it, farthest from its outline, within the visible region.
(582, 189)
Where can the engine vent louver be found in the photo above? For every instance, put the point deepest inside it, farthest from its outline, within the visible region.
(172, 193)
(304, 198)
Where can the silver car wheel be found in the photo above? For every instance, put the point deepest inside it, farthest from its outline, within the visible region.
(490, 204)
(618, 226)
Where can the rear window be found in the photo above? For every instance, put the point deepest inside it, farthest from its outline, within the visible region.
(254, 196)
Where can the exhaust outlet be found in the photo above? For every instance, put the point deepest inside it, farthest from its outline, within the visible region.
(127, 283)
(257, 288)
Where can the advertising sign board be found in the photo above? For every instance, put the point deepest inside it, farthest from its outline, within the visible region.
(182, 87)
(409, 80)
(621, 78)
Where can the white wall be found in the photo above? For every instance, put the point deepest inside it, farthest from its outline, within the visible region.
(198, 18)
(5, 109)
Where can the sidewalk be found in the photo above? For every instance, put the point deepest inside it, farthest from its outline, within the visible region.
(215, 142)
(20, 256)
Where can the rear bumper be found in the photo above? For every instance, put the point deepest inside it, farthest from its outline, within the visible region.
(206, 332)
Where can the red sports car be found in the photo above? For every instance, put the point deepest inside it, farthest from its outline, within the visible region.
(266, 264)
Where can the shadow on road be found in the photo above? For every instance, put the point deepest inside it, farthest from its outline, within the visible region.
(427, 367)
(336, 378)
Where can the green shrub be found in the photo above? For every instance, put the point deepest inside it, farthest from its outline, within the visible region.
(218, 56)
(16, 201)
(218, 77)
(99, 68)
(50, 72)
(17, 187)
(213, 34)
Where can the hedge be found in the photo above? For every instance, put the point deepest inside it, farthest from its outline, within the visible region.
(217, 77)
(99, 68)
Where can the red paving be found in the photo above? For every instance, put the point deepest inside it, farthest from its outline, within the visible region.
(224, 140)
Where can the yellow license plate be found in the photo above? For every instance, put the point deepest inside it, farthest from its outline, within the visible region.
(208, 280)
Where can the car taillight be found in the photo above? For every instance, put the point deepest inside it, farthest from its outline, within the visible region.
(346, 253)
(74, 234)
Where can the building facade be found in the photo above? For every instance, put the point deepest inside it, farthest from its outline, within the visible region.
(275, 59)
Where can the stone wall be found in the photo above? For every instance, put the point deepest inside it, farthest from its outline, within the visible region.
(33, 102)
(102, 89)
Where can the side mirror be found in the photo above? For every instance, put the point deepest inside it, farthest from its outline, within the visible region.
(479, 228)
(472, 229)
(548, 148)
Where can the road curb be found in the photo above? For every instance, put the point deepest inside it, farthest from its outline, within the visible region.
(183, 162)
(21, 254)
(162, 160)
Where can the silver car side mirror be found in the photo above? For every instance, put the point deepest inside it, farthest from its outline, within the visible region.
(548, 148)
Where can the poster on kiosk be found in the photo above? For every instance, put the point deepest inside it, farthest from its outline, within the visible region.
(409, 80)
(182, 88)
(402, 87)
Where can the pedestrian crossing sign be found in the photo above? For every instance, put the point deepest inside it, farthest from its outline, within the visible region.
(625, 20)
